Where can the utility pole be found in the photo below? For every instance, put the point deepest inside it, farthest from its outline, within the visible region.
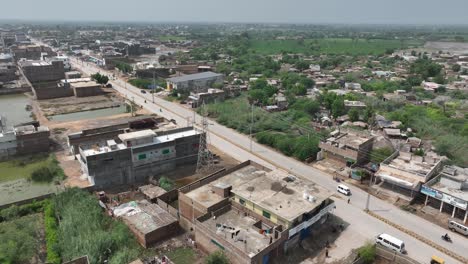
(154, 84)
(368, 194)
(251, 124)
(205, 157)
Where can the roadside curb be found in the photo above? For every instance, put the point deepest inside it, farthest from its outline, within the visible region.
(418, 237)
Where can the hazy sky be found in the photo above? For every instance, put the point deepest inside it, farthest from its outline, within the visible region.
(289, 11)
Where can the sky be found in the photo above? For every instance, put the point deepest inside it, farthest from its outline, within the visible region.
(257, 11)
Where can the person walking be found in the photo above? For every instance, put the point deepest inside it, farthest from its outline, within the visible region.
(349, 199)
(326, 253)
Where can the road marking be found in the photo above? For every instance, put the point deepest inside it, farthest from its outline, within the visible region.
(419, 237)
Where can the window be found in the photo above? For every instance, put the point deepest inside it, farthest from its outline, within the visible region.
(241, 201)
(141, 156)
(166, 151)
(266, 214)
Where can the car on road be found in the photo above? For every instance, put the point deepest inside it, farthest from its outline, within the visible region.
(143, 91)
(109, 85)
(390, 242)
(341, 188)
(173, 121)
(457, 227)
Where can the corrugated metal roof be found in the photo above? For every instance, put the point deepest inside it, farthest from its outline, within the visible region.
(195, 76)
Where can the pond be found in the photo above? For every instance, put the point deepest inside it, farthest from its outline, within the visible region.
(13, 108)
(89, 114)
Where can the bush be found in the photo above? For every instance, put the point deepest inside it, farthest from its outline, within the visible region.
(50, 223)
(42, 174)
(14, 211)
(217, 257)
(367, 253)
(166, 183)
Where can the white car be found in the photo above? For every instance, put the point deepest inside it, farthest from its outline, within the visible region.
(343, 189)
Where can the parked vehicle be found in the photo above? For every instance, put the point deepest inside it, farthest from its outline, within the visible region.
(437, 260)
(143, 91)
(391, 242)
(457, 227)
(343, 189)
(109, 85)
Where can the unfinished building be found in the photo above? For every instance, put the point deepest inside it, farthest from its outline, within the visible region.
(149, 222)
(405, 171)
(23, 140)
(252, 213)
(140, 154)
(42, 71)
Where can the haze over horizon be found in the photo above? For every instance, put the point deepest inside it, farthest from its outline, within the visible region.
(431, 12)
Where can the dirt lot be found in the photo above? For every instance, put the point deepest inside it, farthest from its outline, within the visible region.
(453, 47)
(77, 104)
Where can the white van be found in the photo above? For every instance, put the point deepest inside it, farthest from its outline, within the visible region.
(390, 242)
(343, 189)
(457, 227)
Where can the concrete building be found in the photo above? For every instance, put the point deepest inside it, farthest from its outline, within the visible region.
(140, 154)
(7, 72)
(354, 104)
(23, 140)
(212, 95)
(31, 52)
(346, 147)
(406, 171)
(100, 135)
(449, 189)
(84, 89)
(42, 71)
(252, 213)
(198, 82)
(148, 221)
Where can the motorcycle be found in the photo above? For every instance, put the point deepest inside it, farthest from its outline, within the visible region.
(446, 238)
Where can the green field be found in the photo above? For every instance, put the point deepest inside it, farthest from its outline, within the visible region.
(21, 168)
(330, 46)
(182, 256)
(21, 239)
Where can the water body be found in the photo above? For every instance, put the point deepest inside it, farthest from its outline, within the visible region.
(89, 114)
(13, 108)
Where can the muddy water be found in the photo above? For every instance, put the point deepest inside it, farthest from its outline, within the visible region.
(89, 114)
(13, 108)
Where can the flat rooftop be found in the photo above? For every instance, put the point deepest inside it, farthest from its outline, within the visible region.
(349, 139)
(152, 191)
(247, 232)
(34, 63)
(137, 135)
(146, 217)
(196, 76)
(95, 150)
(174, 136)
(272, 190)
(456, 174)
(85, 84)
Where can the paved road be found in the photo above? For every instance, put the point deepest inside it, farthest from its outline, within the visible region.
(362, 226)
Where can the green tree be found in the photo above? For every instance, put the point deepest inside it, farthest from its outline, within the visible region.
(166, 183)
(367, 253)
(353, 115)
(217, 257)
(338, 107)
(99, 78)
(456, 67)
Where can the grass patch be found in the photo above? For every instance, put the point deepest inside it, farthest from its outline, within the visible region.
(20, 239)
(330, 46)
(20, 168)
(182, 256)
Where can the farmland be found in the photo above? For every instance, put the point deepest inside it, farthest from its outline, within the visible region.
(335, 46)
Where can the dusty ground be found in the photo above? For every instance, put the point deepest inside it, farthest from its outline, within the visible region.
(77, 104)
(453, 47)
(312, 249)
